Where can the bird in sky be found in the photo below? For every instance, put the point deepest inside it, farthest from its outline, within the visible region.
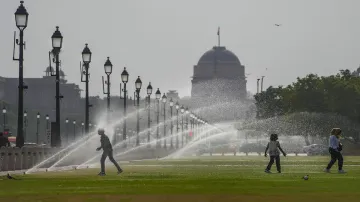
(278, 25)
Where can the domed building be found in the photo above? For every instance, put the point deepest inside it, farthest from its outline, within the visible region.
(218, 76)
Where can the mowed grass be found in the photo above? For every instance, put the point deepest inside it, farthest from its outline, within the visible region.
(196, 179)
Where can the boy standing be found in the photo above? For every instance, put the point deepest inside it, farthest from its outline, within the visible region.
(274, 146)
(107, 152)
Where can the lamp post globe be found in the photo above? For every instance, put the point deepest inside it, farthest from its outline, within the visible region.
(177, 106)
(171, 103)
(25, 113)
(124, 76)
(108, 66)
(74, 122)
(47, 117)
(158, 94)
(164, 98)
(66, 120)
(149, 89)
(38, 115)
(4, 110)
(138, 83)
(57, 39)
(86, 55)
(187, 110)
(21, 16)
(182, 110)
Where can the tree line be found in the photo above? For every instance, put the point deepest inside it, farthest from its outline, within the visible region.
(329, 101)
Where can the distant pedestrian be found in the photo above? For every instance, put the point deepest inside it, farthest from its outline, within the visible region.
(4, 141)
(107, 152)
(274, 146)
(335, 148)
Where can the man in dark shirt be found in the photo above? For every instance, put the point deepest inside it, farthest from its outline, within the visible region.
(107, 152)
(4, 141)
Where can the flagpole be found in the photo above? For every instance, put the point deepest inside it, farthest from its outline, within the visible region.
(218, 33)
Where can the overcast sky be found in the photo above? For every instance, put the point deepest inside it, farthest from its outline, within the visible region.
(161, 40)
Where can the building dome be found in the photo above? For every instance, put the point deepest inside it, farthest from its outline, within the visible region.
(61, 73)
(49, 69)
(219, 54)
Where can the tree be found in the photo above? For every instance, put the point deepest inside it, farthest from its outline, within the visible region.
(334, 96)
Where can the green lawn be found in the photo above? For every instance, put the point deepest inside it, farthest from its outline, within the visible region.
(206, 179)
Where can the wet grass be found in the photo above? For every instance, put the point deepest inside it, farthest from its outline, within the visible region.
(205, 179)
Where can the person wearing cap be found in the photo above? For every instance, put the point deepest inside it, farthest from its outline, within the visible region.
(335, 148)
(107, 152)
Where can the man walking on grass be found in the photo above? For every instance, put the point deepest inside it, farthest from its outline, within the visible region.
(107, 152)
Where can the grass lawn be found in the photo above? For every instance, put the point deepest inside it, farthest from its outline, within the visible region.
(206, 179)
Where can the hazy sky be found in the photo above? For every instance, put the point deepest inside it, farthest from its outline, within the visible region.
(161, 40)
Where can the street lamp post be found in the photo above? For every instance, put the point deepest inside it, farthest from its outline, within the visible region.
(124, 79)
(86, 57)
(25, 125)
(108, 70)
(4, 117)
(138, 84)
(82, 128)
(164, 98)
(67, 130)
(192, 126)
(57, 39)
(177, 107)
(74, 123)
(47, 121)
(37, 127)
(47, 129)
(149, 92)
(187, 124)
(157, 96)
(21, 19)
(182, 110)
(171, 103)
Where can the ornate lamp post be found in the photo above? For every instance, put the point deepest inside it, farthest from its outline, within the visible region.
(108, 70)
(67, 130)
(21, 19)
(4, 117)
(192, 125)
(177, 107)
(171, 104)
(47, 128)
(138, 84)
(124, 79)
(74, 123)
(86, 56)
(164, 98)
(182, 110)
(25, 125)
(157, 96)
(149, 92)
(37, 127)
(82, 128)
(187, 124)
(57, 40)
(47, 122)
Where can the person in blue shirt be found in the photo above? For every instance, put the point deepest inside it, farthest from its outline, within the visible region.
(107, 152)
(335, 148)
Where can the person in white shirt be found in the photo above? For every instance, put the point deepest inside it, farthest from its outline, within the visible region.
(335, 148)
(274, 146)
